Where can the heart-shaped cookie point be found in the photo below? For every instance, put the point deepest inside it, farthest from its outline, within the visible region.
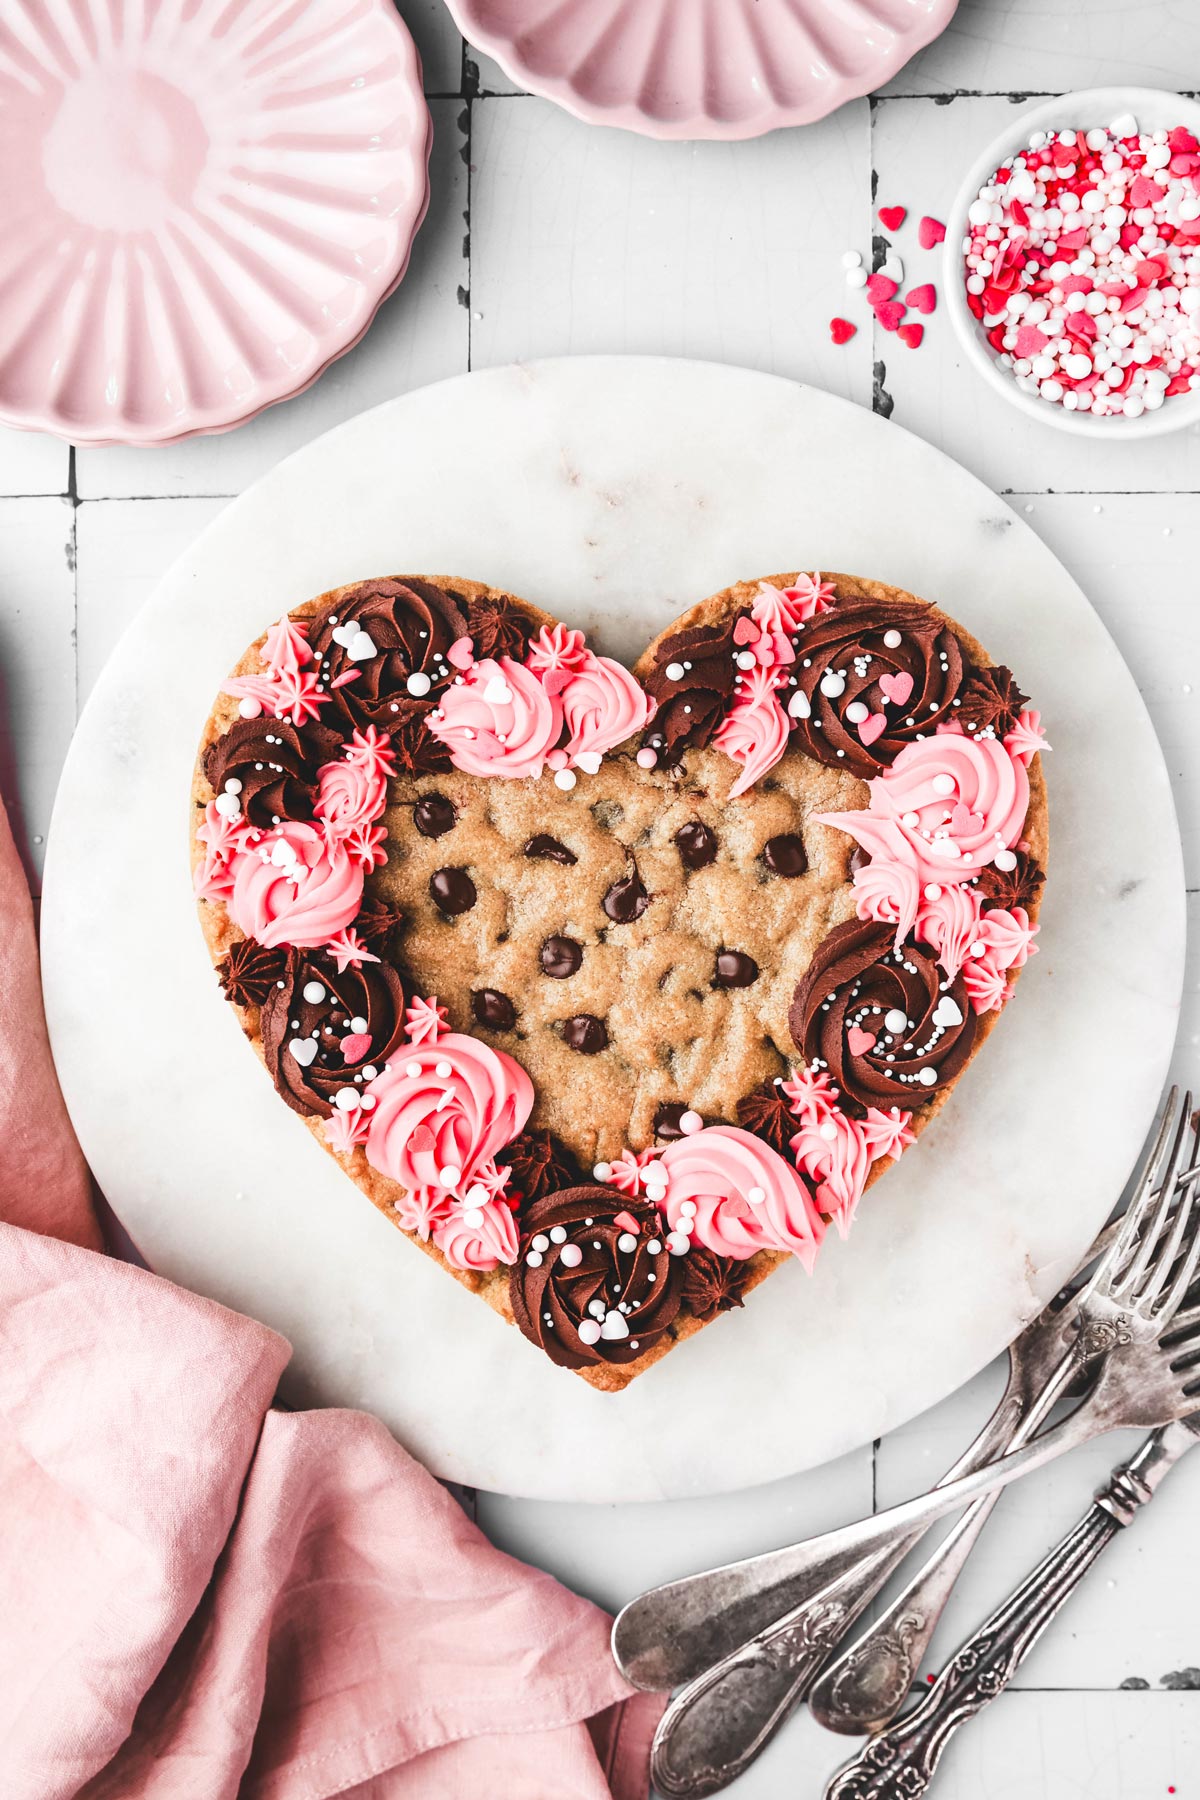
(614, 988)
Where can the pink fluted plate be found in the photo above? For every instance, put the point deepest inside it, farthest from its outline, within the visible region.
(205, 203)
(701, 68)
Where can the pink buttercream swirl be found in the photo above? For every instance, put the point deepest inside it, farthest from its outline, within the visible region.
(778, 619)
(477, 1236)
(628, 1170)
(745, 1197)
(441, 1109)
(295, 885)
(987, 986)
(836, 1153)
(1026, 739)
(555, 654)
(948, 921)
(602, 706)
(887, 889)
(954, 801)
(1003, 941)
(809, 596)
(223, 838)
(498, 719)
(352, 791)
(754, 732)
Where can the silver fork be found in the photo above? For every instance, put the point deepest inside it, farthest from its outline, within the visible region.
(716, 1726)
(868, 1683)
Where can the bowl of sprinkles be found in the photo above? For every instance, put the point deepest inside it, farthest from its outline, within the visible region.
(1072, 268)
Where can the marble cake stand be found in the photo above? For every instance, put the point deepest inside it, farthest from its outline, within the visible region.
(614, 491)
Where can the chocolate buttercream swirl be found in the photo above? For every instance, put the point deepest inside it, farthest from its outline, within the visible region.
(840, 1012)
(991, 699)
(588, 1278)
(417, 751)
(712, 1284)
(1017, 886)
(497, 626)
(364, 1005)
(539, 1164)
(848, 646)
(411, 625)
(249, 971)
(377, 923)
(276, 763)
(692, 703)
(765, 1112)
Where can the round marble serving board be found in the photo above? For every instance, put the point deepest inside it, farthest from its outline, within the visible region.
(614, 491)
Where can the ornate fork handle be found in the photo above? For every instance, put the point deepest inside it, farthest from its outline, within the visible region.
(899, 1764)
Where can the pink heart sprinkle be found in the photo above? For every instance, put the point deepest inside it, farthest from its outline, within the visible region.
(890, 314)
(912, 335)
(963, 822)
(627, 1222)
(841, 330)
(356, 1045)
(859, 1041)
(871, 728)
(1144, 192)
(461, 653)
(745, 631)
(923, 298)
(930, 232)
(893, 216)
(897, 688)
(1031, 341)
(881, 287)
(420, 1139)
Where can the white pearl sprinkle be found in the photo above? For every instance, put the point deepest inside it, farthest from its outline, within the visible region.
(675, 671)
(570, 1256)
(533, 1260)
(443, 1069)
(313, 992)
(626, 1242)
(450, 1176)
(892, 639)
(346, 1098)
(412, 1069)
(558, 1234)
(541, 1242)
(589, 1331)
(418, 685)
(895, 1021)
(1005, 860)
(602, 1171)
(565, 779)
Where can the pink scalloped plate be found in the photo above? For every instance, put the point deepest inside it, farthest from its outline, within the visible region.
(701, 68)
(206, 202)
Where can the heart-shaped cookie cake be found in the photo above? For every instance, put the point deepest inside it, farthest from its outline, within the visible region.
(612, 989)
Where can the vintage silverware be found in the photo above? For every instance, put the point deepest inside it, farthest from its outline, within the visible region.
(725, 1716)
(868, 1682)
(900, 1763)
(673, 1633)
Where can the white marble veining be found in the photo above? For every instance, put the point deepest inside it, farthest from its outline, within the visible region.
(639, 509)
(667, 285)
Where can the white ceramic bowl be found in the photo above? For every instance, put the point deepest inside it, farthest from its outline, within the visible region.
(1154, 110)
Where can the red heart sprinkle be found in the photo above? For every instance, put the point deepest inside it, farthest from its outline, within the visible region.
(893, 216)
(880, 288)
(911, 335)
(859, 1041)
(1181, 139)
(355, 1046)
(930, 232)
(898, 687)
(923, 298)
(1031, 341)
(421, 1138)
(461, 653)
(872, 727)
(746, 631)
(841, 330)
(1144, 192)
(890, 315)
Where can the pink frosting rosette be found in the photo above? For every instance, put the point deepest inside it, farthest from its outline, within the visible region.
(887, 890)
(736, 1196)
(988, 987)
(754, 732)
(222, 838)
(295, 885)
(948, 921)
(836, 1158)
(954, 800)
(498, 719)
(441, 1108)
(352, 791)
(1007, 937)
(602, 706)
(777, 620)
(477, 1237)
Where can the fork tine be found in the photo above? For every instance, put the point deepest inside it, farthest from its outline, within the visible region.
(1186, 1274)
(1151, 1264)
(1140, 1200)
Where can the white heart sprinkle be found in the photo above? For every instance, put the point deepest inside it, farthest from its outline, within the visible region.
(798, 706)
(346, 634)
(362, 647)
(947, 1012)
(589, 761)
(614, 1326)
(497, 692)
(303, 1050)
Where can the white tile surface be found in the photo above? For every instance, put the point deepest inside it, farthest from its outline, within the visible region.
(584, 240)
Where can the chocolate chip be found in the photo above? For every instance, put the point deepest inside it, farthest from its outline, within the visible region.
(453, 890)
(493, 1009)
(626, 899)
(550, 850)
(666, 1120)
(697, 845)
(785, 855)
(585, 1033)
(859, 858)
(560, 957)
(735, 969)
(434, 815)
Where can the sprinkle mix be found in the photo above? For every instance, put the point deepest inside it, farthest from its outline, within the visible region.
(1082, 264)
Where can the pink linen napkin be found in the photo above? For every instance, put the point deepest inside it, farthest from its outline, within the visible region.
(203, 1597)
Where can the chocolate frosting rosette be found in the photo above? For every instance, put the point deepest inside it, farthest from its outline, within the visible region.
(594, 1281)
(393, 636)
(277, 765)
(692, 683)
(874, 678)
(879, 1019)
(325, 1027)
